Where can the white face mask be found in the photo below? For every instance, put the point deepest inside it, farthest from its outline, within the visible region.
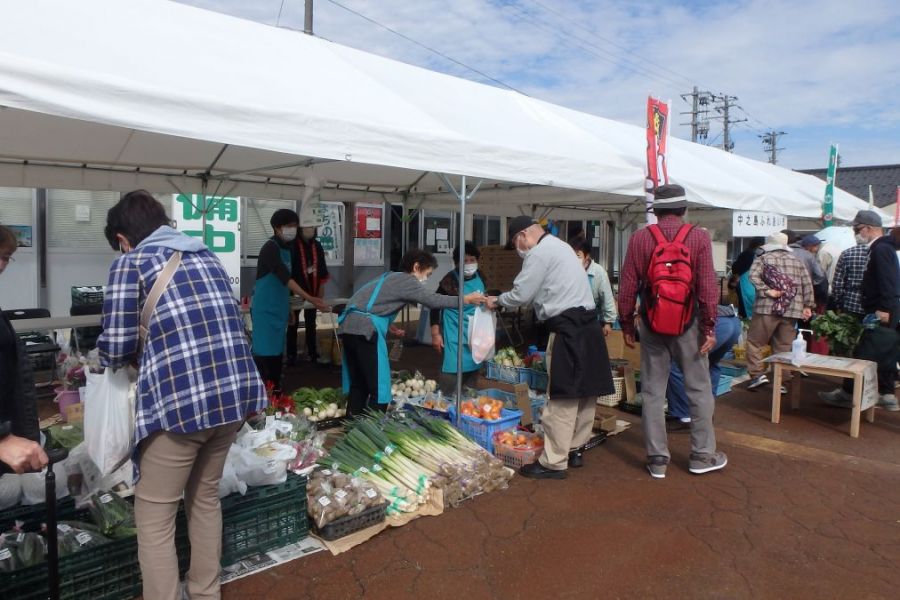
(861, 239)
(289, 234)
(469, 270)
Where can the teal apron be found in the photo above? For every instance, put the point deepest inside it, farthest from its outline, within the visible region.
(382, 324)
(451, 330)
(269, 311)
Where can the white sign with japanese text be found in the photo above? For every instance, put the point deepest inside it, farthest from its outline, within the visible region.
(751, 223)
(222, 234)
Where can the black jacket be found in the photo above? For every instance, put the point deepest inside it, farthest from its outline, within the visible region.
(18, 406)
(881, 280)
(579, 363)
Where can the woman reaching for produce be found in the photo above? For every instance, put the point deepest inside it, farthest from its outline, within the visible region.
(365, 323)
(446, 321)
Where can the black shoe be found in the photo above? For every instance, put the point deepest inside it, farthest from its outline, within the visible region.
(678, 426)
(538, 471)
(576, 459)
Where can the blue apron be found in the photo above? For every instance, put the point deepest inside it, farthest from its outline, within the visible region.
(748, 293)
(269, 311)
(382, 324)
(451, 325)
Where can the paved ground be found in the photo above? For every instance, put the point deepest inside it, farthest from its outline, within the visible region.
(801, 511)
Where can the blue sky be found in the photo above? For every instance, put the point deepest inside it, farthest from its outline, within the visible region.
(825, 71)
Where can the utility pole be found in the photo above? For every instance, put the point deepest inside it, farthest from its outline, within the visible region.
(699, 123)
(308, 18)
(770, 144)
(724, 104)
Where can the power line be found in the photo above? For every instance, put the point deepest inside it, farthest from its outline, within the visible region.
(611, 42)
(586, 46)
(770, 144)
(428, 48)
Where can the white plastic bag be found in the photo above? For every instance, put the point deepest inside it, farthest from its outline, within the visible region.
(482, 331)
(109, 419)
(10, 490)
(229, 484)
(253, 469)
(34, 485)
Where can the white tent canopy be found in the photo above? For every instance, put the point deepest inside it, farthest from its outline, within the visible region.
(111, 95)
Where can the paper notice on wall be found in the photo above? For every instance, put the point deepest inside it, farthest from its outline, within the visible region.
(443, 246)
(373, 224)
(596, 242)
(442, 234)
(429, 237)
(596, 231)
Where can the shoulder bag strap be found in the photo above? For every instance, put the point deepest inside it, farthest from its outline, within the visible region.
(159, 286)
(657, 234)
(683, 233)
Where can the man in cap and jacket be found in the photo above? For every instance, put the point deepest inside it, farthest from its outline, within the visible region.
(552, 280)
(689, 350)
(880, 301)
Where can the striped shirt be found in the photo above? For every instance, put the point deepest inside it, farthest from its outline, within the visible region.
(196, 371)
(848, 276)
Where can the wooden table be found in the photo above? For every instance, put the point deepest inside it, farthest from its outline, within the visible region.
(854, 370)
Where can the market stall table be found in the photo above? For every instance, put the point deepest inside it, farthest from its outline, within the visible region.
(862, 372)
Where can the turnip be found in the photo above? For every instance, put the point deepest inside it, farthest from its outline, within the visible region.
(307, 411)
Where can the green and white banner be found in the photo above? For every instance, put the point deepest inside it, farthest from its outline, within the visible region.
(222, 234)
(828, 204)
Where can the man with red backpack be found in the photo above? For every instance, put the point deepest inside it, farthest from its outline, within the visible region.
(670, 265)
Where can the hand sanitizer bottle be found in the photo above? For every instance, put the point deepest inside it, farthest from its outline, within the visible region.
(798, 350)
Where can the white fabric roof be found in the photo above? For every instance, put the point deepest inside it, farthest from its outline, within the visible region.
(111, 95)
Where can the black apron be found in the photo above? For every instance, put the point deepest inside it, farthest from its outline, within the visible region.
(579, 362)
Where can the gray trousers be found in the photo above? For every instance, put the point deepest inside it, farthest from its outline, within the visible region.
(657, 354)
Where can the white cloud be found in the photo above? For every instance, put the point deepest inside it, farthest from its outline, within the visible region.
(801, 66)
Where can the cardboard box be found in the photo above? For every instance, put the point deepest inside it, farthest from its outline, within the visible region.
(604, 419)
(615, 345)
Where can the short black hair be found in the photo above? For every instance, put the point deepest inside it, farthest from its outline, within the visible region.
(662, 212)
(135, 216)
(8, 240)
(282, 217)
(417, 256)
(581, 244)
(469, 249)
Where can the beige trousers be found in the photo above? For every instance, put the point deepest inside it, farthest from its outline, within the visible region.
(778, 332)
(173, 465)
(567, 423)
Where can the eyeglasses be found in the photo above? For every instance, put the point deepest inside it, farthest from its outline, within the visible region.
(7, 259)
(858, 228)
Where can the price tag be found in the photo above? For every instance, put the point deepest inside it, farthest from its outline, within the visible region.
(388, 450)
(5, 554)
(363, 470)
(371, 493)
(376, 468)
(63, 528)
(83, 538)
(67, 428)
(105, 499)
(340, 494)
(324, 500)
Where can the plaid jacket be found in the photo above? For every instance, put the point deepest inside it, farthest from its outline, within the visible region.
(196, 371)
(786, 262)
(848, 275)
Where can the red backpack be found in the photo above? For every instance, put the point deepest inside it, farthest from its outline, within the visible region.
(670, 283)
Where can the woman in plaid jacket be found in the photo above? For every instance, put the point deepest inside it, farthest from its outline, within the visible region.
(197, 382)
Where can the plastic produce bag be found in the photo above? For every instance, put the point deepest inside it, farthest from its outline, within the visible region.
(10, 490)
(482, 331)
(230, 484)
(254, 470)
(109, 419)
(113, 515)
(34, 485)
(77, 537)
(19, 550)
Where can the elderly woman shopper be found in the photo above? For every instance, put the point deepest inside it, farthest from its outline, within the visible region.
(196, 384)
(369, 317)
(19, 448)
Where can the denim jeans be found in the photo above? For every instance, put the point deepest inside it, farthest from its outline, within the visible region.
(728, 330)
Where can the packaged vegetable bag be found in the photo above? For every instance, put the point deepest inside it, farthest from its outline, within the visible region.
(482, 331)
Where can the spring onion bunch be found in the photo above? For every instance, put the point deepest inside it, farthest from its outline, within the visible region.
(404, 453)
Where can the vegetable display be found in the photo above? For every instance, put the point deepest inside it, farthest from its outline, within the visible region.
(332, 496)
(318, 405)
(520, 440)
(77, 537)
(411, 385)
(20, 549)
(405, 453)
(508, 357)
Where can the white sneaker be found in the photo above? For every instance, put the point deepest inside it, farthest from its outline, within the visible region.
(837, 397)
(757, 381)
(888, 402)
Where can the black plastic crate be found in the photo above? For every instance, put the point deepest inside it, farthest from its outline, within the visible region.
(87, 295)
(347, 525)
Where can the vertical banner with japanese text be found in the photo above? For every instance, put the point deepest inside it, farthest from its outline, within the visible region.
(331, 232)
(222, 234)
(831, 176)
(657, 141)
